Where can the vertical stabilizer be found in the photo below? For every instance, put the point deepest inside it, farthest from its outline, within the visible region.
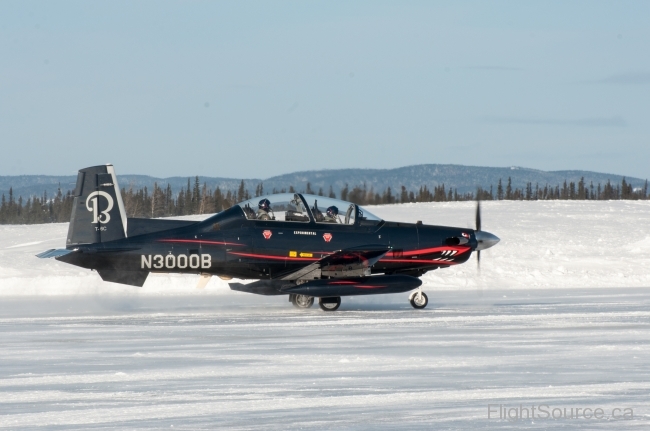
(97, 211)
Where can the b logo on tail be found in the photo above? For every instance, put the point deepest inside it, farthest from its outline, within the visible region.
(93, 200)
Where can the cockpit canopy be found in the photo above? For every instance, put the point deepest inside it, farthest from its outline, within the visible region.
(299, 207)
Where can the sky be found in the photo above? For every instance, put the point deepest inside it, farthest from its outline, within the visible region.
(257, 89)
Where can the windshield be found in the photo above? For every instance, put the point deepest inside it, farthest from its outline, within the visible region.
(366, 216)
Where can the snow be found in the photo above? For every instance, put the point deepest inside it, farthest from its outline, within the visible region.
(559, 315)
(224, 362)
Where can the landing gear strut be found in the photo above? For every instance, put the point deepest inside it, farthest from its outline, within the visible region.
(301, 301)
(418, 299)
(330, 304)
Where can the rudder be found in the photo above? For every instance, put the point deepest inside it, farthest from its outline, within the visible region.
(97, 211)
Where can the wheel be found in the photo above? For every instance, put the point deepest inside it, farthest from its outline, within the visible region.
(330, 304)
(302, 301)
(418, 300)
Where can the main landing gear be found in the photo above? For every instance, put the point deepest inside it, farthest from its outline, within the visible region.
(418, 299)
(329, 304)
(306, 301)
(301, 301)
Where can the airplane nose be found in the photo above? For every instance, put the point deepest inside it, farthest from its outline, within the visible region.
(485, 239)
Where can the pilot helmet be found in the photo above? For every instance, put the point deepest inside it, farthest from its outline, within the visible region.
(332, 211)
(265, 205)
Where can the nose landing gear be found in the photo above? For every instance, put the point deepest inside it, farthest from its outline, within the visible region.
(418, 299)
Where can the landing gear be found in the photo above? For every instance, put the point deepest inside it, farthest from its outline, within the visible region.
(330, 304)
(418, 299)
(301, 301)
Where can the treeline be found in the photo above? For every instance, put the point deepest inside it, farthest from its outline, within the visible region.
(199, 199)
(37, 209)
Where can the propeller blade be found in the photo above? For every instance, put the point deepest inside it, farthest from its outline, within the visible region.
(478, 215)
(478, 260)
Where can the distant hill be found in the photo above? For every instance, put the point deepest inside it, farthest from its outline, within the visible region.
(463, 178)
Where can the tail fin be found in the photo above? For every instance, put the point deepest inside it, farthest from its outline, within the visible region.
(98, 211)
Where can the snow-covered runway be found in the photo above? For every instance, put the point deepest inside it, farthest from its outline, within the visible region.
(102, 362)
(559, 316)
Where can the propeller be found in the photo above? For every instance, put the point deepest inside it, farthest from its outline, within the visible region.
(484, 239)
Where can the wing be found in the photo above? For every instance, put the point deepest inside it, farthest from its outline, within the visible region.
(351, 262)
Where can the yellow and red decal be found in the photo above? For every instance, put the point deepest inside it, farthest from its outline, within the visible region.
(301, 254)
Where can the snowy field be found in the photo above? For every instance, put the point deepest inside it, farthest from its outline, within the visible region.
(559, 316)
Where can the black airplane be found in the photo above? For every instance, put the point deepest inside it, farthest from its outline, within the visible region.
(293, 244)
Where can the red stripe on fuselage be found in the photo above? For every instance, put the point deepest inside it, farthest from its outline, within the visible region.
(431, 261)
(387, 258)
(459, 250)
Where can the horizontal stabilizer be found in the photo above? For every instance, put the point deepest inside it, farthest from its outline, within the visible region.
(54, 253)
(377, 284)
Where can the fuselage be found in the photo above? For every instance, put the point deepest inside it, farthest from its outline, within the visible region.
(229, 244)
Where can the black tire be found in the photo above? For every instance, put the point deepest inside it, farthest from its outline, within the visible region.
(419, 303)
(331, 304)
(302, 301)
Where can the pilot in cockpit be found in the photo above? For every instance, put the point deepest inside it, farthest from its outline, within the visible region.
(331, 215)
(264, 210)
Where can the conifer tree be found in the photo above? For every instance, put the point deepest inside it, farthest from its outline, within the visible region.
(581, 189)
(404, 195)
(241, 192)
(387, 198)
(196, 195)
(344, 193)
